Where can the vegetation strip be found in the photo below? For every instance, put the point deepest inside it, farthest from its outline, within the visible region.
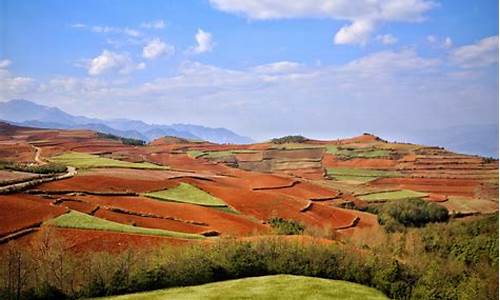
(187, 193)
(87, 161)
(79, 220)
(392, 195)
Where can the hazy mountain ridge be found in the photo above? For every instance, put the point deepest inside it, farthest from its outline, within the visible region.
(27, 113)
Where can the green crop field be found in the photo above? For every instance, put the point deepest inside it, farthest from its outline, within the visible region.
(361, 175)
(392, 195)
(187, 193)
(266, 287)
(80, 220)
(363, 152)
(87, 161)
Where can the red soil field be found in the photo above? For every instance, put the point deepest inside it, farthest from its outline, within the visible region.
(217, 220)
(19, 211)
(10, 175)
(83, 207)
(102, 183)
(267, 204)
(440, 186)
(150, 222)
(80, 240)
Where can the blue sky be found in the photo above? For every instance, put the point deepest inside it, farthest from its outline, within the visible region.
(322, 68)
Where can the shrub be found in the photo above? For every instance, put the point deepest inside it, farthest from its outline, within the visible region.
(286, 227)
(289, 139)
(410, 213)
(51, 168)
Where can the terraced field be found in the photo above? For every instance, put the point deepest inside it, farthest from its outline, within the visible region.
(79, 220)
(88, 161)
(187, 193)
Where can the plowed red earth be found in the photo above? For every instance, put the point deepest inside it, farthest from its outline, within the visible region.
(217, 220)
(119, 180)
(101, 183)
(79, 206)
(11, 175)
(306, 190)
(20, 211)
(150, 222)
(16, 151)
(439, 186)
(267, 204)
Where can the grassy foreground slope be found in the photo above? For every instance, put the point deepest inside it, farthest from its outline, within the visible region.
(87, 161)
(266, 287)
(80, 220)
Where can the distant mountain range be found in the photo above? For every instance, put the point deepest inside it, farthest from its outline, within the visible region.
(27, 113)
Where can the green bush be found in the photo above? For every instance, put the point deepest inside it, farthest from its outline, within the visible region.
(410, 213)
(51, 168)
(286, 227)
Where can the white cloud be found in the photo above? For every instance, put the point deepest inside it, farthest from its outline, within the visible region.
(157, 24)
(364, 15)
(480, 54)
(204, 42)
(157, 48)
(448, 43)
(4, 63)
(387, 39)
(11, 85)
(132, 32)
(389, 62)
(387, 89)
(356, 33)
(110, 61)
(440, 42)
(109, 29)
(278, 67)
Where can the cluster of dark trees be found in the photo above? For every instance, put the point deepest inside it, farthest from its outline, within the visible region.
(400, 214)
(124, 140)
(289, 139)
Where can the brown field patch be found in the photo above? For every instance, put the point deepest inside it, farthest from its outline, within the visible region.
(19, 211)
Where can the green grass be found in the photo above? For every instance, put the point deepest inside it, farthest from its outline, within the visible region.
(392, 195)
(362, 152)
(79, 220)
(87, 161)
(187, 193)
(361, 175)
(266, 287)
